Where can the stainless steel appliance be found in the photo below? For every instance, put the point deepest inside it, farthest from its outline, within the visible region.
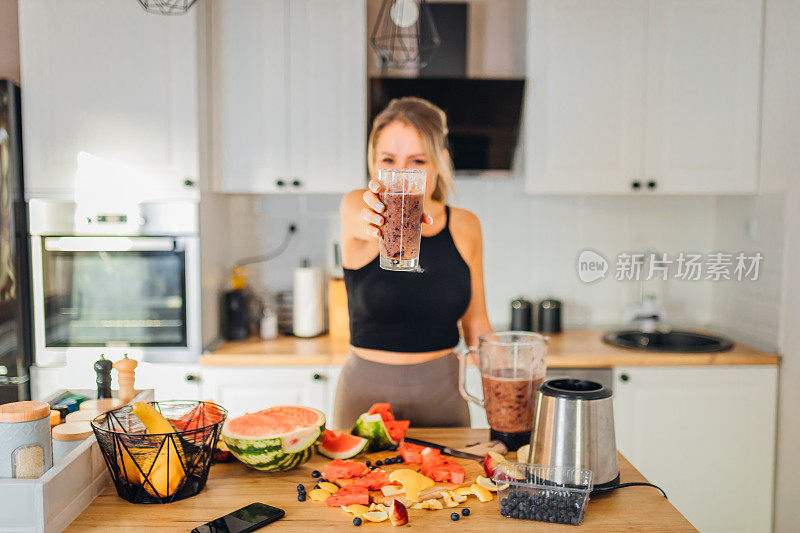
(574, 427)
(15, 316)
(115, 281)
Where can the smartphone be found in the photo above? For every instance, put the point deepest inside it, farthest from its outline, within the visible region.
(248, 518)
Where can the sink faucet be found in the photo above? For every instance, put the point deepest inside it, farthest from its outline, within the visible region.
(646, 314)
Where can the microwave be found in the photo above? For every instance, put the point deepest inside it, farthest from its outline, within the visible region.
(115, 281)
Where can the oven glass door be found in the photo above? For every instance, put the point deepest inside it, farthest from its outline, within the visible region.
(114, 291)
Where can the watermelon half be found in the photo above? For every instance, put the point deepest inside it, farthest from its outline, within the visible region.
(341, 445)
(276, 438)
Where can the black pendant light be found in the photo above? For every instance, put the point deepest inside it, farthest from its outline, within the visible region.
(167, 7)
(404, 33)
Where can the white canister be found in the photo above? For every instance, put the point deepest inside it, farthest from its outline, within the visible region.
(26, 448)
(67, 437)
(308, 310)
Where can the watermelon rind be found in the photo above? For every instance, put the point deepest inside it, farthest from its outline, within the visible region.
(348, 453)
(372, 428)
(276, 453)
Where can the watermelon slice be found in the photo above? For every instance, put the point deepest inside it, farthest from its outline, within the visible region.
(349, 495)
(341, 445)
(379, 427)
(440, 468)
(411, 453)
(374, 480)
(274, 439)
(338, 469)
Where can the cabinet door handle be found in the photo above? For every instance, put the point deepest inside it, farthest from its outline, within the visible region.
(636, 184)
(280, 183)
(316, 377)
(296, 182)
(652, 184)
(191, 378)
(624, 377)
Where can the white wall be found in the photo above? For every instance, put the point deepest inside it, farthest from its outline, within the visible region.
(768, 310)
(530, 244)
(9, 40)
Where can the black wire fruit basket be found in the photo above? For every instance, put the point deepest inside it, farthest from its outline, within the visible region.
(160, 467)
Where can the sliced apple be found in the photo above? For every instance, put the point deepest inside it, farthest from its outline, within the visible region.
(448, 500)
(417, 505)
(398, 514)
(433, 505)
(375, 516)
(458, 498)
(392, 490)
(490, 463)
(523, 454)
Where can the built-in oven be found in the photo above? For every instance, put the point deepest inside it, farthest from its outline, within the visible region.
(115, 282)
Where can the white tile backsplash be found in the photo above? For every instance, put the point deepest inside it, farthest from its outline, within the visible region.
(531, 244)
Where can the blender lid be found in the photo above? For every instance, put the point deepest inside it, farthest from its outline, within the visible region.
(574, 389)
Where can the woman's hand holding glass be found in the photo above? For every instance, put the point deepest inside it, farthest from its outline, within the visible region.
(372, 213)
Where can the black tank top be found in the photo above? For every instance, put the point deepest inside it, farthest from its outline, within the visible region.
(410, 311)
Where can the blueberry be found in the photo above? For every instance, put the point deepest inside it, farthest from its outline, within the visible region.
(315, 474)
(389, 461)
(378, 463)
(393, 448)
(368, 463)
(465, 511)
(301, 496)
(454, 517)
(357, 521)
(301, 488)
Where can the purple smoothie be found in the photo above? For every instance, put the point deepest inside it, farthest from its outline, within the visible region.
(402, 231)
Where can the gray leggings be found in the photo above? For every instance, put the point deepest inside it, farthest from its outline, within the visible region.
(424, 393)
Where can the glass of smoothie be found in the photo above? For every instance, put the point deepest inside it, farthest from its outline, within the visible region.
(403, 194)
(512, 365)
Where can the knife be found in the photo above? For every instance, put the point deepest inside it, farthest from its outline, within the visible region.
(445, 449)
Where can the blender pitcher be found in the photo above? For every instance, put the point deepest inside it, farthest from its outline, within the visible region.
(512, 365)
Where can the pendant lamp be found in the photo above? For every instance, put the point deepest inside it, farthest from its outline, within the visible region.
(404, 33)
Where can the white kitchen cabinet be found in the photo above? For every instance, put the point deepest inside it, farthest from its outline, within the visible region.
(248, 389)
(642, 96)
(706, 435)
(289, 93)
(112, 80)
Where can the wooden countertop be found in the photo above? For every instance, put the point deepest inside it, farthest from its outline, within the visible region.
(579, 348)
(233, 485)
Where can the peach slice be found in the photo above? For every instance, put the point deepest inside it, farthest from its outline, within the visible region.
(486, 483)
(375, 516)
(458, 498)
(392, 490)
(412, 481)
(523, 453)
(482, 493)
(448, 500)
(319, 495)
(330, 487)
(463, 491)
(356, 509)
(398, 514)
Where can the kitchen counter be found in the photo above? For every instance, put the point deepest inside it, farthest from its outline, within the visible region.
(233, 485)
(578, 348)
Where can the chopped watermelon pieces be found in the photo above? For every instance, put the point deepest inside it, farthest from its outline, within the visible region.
(411, 453)
(339, 469)
(349, 495)
(374, 480)
(383, 409)
(397, 428)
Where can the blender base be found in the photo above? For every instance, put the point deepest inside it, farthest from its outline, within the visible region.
(513, 441)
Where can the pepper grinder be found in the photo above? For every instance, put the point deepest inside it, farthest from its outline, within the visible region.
(102, 368)
(126, 374)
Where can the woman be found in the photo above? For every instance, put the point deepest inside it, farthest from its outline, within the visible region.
(404, 325)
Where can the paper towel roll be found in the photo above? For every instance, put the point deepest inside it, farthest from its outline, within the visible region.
(308, 309)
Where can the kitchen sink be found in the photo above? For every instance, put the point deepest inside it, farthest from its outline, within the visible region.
(670, 341)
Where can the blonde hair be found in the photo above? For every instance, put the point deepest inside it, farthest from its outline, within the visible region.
(431, 124)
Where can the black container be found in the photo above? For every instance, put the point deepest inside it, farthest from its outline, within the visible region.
(521, 315)
(549, 316)
(130, 453)
(235, 315)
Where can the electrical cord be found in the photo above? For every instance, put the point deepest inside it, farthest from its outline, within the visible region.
(601, 490)
(270, 255)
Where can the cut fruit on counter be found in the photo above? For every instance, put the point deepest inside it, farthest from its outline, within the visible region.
(276, 438)
(380, 428)
(341, 445)
(341, 469)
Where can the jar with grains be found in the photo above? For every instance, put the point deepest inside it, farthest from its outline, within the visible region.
(26, 447)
